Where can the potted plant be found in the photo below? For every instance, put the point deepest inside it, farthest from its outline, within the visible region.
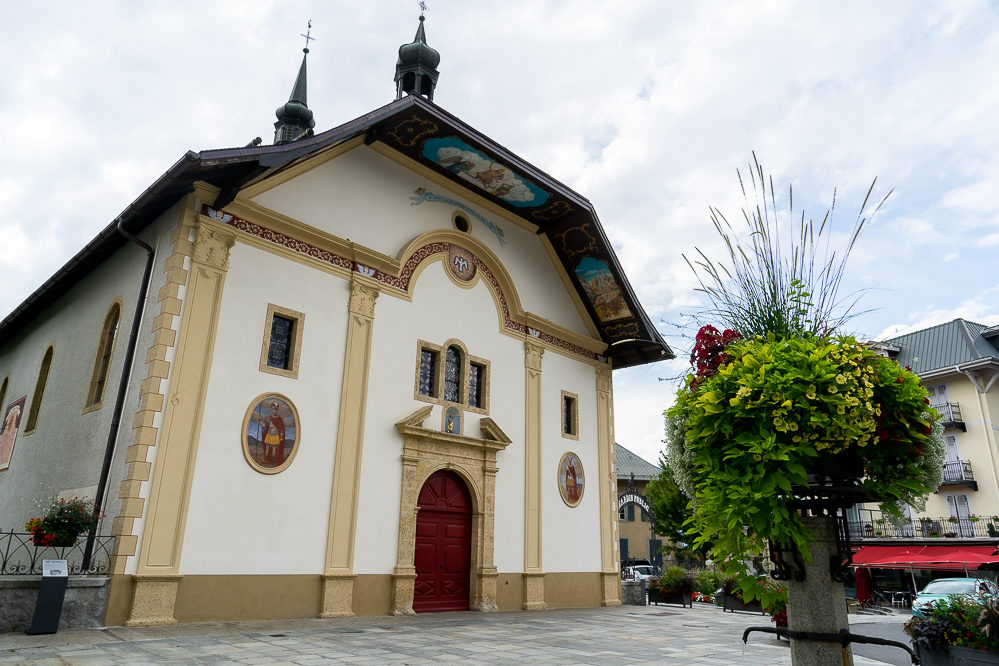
(675, 586)
(777, 607)
(779, 402)
(63, 522)
(733, 597)
(957, 631)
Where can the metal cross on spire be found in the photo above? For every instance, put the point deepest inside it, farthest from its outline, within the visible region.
(308, 36)
(423, 7)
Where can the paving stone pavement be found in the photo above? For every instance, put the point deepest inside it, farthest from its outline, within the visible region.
(622, 635)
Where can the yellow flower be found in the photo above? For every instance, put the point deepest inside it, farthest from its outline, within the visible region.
(810, 393)
(840, 379)
(833, 389)
(840, 409)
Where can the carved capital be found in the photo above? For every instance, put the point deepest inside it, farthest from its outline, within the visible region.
(604, 381)
(212, 248)
(362, 299)
(532, 355)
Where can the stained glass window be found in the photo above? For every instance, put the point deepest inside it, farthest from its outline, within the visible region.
(452, 375)
(476, 377)
(279, 350)
(428, 370)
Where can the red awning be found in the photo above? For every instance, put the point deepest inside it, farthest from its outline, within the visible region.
(925, 557)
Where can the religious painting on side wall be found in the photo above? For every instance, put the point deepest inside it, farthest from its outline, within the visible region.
(8, 430)
(602, 289)
(570, 479)
(270, 433)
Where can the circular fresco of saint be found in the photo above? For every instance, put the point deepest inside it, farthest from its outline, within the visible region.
(270, 433)
(570, 479)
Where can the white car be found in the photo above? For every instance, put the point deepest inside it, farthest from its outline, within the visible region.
(639, 572)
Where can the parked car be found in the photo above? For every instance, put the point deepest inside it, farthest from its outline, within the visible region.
(640, 572)
(942, 588)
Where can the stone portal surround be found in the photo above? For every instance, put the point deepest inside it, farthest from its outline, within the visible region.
(425, 451)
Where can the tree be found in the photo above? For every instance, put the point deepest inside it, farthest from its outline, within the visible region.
(670, 512)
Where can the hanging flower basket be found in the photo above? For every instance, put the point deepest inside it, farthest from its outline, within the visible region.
(63, 523)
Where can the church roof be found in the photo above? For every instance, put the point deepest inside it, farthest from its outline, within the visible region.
(629, 463)
(418, 129)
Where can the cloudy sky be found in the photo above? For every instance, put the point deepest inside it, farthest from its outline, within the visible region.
(647, 108)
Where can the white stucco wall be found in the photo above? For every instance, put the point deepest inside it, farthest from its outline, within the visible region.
(365, 197)
(571, 536)
(242, 521)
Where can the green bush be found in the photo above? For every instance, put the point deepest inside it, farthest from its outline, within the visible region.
(708, 581)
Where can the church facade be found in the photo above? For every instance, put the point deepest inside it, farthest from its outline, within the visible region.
(364, 371)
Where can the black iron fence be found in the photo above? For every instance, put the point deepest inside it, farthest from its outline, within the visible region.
(985, 527)
(19, 556)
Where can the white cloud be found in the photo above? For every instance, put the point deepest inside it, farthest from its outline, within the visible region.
(647, 111)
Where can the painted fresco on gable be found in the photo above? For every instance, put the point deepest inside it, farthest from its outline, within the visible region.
(469, 164)
(270, 433)
(602, 289)
(570, 479)
(8, 430)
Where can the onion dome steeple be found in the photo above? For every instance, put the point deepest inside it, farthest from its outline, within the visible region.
(416, 71)
(294, 118)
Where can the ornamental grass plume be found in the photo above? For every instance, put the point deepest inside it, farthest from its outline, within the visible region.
(780, 279)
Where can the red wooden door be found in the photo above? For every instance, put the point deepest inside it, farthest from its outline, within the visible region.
(443, 544)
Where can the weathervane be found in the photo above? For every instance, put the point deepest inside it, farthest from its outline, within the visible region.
(423, 7)
(308, 38)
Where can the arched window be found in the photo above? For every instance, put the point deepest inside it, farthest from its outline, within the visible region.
(102, 362)
(3, 392)
(452, 374)
(36, 399)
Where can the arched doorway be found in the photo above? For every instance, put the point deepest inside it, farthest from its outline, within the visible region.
(443, 544)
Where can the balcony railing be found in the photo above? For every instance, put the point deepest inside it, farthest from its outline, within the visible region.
(950, 413)
(985, 527)
(959, 471)
(19, 556)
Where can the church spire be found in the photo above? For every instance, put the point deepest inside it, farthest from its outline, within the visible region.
(294, 118)
(416, 71)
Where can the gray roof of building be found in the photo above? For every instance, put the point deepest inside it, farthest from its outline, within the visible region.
(628, 463)
(945, 346)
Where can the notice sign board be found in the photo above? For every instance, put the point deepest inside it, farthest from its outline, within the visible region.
(51, 592)
(55, 568)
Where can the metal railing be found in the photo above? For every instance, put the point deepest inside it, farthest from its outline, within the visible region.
(19, 556)
(950, 412)
(958, 471)
(985, 527)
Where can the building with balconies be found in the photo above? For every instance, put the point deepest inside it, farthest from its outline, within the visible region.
(958, 363)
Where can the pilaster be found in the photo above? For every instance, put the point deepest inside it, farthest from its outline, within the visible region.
(607, 482)
(163, 535)
(339, 567)
(534, 581)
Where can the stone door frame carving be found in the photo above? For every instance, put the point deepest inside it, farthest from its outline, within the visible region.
(424, 451)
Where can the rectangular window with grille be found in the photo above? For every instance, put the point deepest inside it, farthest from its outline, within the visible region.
(428, 372)
(282, 343)
(476, 380)
(279, 351)
(570, 415)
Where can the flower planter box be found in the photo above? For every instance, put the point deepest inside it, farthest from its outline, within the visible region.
(682, 598)
(957, 656)
(733, 603)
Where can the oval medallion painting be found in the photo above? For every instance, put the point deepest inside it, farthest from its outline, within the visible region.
(270, 433)
(570, 479)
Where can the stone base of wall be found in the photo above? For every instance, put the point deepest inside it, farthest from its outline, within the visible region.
(84, 605)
